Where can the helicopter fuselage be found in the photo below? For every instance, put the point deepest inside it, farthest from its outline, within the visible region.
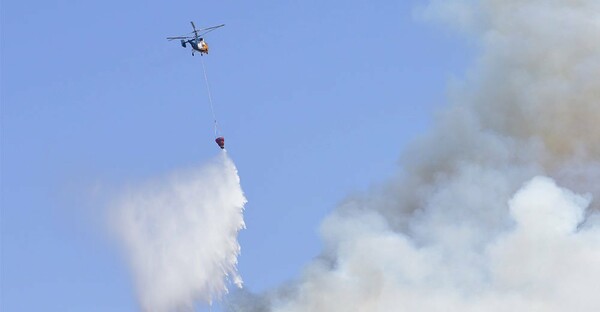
(195, 45)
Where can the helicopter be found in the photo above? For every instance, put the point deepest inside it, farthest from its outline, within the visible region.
(196, 41)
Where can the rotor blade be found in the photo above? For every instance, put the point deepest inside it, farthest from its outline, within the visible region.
(173, 38)
(209, 29)
(212, 27)
(193, 26)
(206, 32)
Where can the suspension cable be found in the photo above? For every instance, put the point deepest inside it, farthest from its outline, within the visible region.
(212, 109)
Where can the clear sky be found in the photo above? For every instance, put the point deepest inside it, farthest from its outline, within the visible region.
(316, 100)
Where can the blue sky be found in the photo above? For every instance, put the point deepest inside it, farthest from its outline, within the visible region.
(316, 100)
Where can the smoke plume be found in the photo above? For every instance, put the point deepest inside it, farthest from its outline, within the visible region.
(180, 235)
(495, 209)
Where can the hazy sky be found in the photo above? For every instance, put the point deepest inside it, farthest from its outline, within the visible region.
(316, 100)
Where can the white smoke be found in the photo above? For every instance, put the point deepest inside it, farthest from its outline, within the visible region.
(180, 234)
(542, 264)
(484, 215)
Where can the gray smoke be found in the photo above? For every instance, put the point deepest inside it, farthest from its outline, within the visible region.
(180, 235)
(496, 208)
